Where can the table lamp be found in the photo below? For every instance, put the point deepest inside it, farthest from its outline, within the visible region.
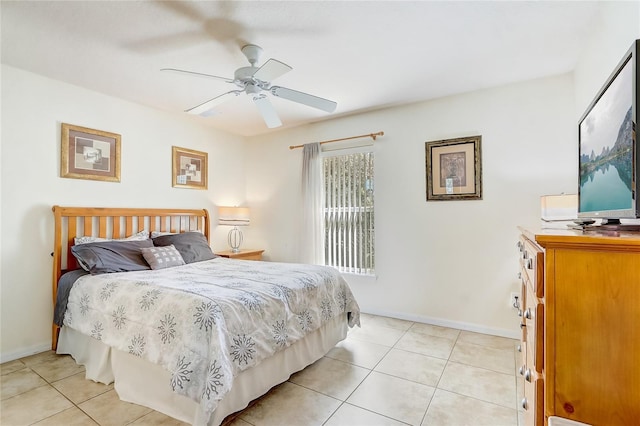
(234, 216)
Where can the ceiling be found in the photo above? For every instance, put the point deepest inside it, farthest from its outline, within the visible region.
(362, 54)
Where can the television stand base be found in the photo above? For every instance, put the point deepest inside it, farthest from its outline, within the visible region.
(613, 228)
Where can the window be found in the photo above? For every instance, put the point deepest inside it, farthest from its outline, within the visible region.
(349, 212)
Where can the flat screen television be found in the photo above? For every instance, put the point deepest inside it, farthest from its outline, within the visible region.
(608, 153)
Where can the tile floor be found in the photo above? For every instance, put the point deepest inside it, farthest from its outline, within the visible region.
(389, 372)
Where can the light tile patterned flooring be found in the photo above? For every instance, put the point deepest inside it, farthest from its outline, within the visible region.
(389, 372)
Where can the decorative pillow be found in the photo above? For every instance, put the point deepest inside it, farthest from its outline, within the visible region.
(160, 233)
(162, 257)
(193, 246)
(139, 236)
(87, 240)
(103, 257)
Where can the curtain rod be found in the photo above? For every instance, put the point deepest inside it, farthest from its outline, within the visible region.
(370, 135)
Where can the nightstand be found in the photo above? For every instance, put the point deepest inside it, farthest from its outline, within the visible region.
(248, 254)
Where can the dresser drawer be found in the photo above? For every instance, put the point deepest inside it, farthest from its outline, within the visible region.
(532, 403)
(532, 265)
(520, 307)
(533, 318)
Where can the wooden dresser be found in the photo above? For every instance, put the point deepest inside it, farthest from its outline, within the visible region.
(580, 320)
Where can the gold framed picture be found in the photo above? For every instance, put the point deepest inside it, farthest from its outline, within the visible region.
(454, 169)
(89, 154)
(189, 168)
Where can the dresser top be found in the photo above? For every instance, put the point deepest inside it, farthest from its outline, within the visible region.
(598, 236)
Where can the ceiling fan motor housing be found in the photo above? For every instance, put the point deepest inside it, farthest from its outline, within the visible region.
(243, 78)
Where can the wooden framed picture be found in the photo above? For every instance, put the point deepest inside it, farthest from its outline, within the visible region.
(454, 169)
(89, 154)
(189, 168)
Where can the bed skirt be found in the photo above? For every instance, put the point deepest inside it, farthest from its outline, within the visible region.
(141, 382)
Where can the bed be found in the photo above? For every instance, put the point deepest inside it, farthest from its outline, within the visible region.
(176, 328)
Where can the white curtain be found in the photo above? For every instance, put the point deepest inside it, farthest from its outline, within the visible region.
(312, 235)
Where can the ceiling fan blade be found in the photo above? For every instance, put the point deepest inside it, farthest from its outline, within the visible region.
(211, 103)
(304, 98)
(271, 70)
(267, 111)
(197, 74)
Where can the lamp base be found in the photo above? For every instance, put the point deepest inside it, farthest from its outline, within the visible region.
(235, 239)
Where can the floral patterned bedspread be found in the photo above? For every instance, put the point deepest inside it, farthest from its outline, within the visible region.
(207, 321)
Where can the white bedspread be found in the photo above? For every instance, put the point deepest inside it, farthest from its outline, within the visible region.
(205, 322)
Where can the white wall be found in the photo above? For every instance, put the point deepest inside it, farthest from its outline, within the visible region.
(449, 263)
(446, 262)
(614, 32)
(33, 108)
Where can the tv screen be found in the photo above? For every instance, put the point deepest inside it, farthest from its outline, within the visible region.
(607, 157)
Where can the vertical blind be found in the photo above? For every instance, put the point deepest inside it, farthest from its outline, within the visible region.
(349, 212)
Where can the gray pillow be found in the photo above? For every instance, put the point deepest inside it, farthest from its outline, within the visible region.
(193, 246)
(103, 257)
(162, 257)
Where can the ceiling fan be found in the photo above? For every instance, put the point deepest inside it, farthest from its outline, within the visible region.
(256, 81)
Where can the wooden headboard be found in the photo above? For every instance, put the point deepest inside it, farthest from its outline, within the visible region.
(108, 222)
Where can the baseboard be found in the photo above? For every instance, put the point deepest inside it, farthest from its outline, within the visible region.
(510, 334)
(11, 356)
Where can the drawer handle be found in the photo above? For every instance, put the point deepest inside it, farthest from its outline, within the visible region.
(522, 325)
(519, 348)
(519, 275)
(519, 245)
(521, 370)
(524, 403)
(519, 312)
(529, 263)
(527, 313)
(527, 375)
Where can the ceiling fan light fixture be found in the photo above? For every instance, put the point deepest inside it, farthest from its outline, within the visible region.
(252, 88)
(253, 80)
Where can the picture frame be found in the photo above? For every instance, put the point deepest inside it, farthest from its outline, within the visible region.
(189, 168)
(89, 154)
(454, 169)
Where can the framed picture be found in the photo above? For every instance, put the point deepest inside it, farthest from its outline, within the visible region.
(189, 168)
(454, 169)
(89, 154)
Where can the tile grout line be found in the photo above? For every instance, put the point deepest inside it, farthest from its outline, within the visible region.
(371, 370)
(437, 387)
(343, 402)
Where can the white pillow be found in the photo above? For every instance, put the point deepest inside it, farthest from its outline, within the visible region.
(155, 234)
(139, 236)
(162, 257)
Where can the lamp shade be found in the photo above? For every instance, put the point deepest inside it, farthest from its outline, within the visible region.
(559, 207)
(233, 216)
